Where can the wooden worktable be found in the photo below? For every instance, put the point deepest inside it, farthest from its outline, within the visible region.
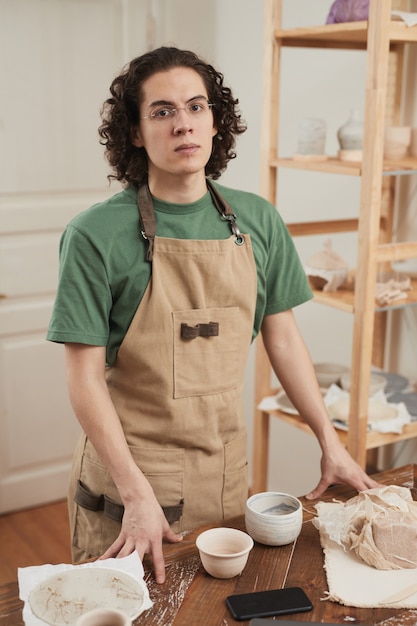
(190, 597)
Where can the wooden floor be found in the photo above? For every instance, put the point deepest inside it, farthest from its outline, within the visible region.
(33, 537)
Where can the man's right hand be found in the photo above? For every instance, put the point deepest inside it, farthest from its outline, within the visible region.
(144, 527)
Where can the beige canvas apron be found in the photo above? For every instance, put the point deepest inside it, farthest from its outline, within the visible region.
(177, 387)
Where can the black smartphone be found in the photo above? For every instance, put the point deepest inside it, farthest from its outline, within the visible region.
(273, 622)
(245, 606)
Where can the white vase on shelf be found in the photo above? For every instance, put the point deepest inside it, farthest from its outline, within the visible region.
(350, 137)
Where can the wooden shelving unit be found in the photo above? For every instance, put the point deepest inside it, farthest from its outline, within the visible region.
(378, 38)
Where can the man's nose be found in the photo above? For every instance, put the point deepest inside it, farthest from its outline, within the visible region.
(182, 121)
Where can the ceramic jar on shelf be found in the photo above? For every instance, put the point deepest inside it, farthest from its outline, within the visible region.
(350, 137)
(311, 140)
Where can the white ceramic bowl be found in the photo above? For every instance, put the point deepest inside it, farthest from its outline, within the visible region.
(224, 551)
(104, 617)
(329, 373)
(377, 382)
(273, 518)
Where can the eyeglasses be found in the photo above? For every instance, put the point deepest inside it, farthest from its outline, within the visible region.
(167, 113)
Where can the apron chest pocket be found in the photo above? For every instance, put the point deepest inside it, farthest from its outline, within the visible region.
(206, 351)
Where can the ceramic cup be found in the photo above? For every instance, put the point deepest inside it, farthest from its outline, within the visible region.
(311, 136)
(396, 142)
(224, 551)
(104, 617)
(273, 518)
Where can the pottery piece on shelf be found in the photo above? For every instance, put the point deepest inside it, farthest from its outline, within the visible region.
(406, 266)
(397, 141)
(350, 134)
(348, 11)
(327, 270)
(350, 137)
(391, 286)
(353, 156)
(329, 373)
(311, 139)
(376, 383)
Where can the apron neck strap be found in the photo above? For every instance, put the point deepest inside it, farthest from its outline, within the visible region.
(219, 202)
(148, 222)
(147, 218)
(226, 212)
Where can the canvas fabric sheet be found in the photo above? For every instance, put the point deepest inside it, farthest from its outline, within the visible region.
(347, 537)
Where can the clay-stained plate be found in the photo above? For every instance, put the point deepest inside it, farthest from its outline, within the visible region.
(62, 598)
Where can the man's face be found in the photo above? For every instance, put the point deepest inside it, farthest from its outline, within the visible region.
(179, 144)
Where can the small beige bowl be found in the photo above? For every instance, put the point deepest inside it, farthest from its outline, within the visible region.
(224, 551)
(104, 617)
(273, 518)
(329, 373)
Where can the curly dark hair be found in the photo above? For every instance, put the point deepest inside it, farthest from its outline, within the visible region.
(120, 113)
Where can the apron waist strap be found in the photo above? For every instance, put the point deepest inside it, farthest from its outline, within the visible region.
(87, 500)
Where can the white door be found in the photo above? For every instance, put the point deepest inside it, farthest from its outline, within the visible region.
(57, 59)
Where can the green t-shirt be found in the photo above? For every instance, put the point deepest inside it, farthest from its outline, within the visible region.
(104, 272)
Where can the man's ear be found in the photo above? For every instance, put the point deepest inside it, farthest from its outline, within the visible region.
(136, 137)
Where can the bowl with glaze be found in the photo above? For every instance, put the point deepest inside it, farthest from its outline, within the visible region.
(273, 518)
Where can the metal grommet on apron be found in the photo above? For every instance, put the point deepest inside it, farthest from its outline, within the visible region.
(177, 383)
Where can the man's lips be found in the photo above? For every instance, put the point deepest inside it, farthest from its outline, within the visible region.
(187, 148)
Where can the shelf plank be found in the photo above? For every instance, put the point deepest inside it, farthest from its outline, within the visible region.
(408, 165)
(333, 165)
(321, 227)
(343, 299)
(373, 439)
(348, 35)
(345, 35)
(396, 251)
(401, 33)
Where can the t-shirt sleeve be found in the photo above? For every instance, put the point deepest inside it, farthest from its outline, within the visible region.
(83, 300)
(286, 284)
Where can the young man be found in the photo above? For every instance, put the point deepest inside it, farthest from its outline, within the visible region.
(162, 289)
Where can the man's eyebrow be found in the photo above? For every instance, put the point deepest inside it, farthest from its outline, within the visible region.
(156, 103)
